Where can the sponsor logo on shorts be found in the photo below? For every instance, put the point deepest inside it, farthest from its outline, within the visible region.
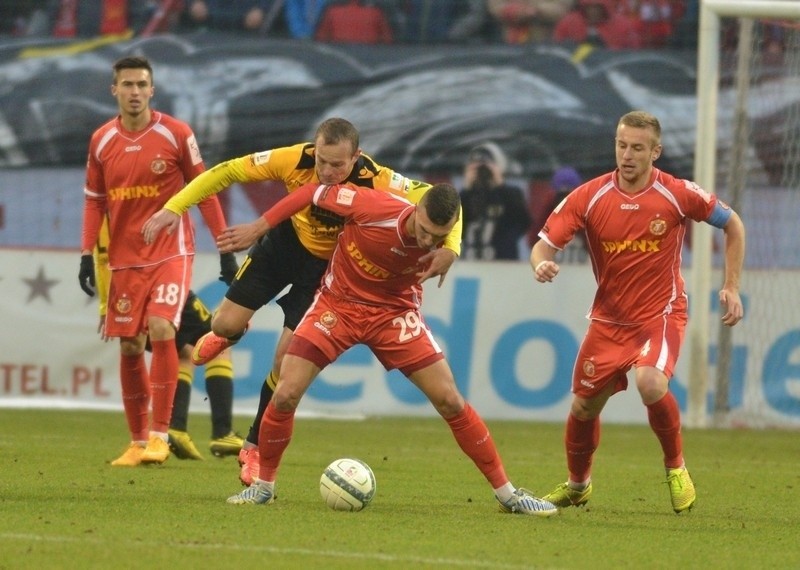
(585, 382)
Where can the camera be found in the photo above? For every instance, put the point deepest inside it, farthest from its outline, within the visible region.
(483, 175)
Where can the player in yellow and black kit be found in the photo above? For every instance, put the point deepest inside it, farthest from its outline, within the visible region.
(295, 252)
(195, 322)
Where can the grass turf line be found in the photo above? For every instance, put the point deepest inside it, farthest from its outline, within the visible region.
(63, 506)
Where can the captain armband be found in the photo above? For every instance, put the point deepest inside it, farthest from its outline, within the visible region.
(719, 215)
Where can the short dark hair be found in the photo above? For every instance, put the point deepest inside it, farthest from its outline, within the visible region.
(335, 130)
(442, 203)
(132, 62)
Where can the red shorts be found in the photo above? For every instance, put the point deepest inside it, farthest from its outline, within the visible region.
(399, 338)
(608, 351)
(137, 293)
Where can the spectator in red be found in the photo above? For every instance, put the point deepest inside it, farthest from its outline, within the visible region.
(655, 19)
(595, 22)
(524, 21)
(100, 18)
(354, 22)
(93, 18)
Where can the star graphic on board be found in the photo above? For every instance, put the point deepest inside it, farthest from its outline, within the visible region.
(40, 286)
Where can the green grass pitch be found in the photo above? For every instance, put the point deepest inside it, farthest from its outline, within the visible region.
(63, 506)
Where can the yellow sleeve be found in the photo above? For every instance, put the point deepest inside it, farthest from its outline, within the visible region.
(453, 239)
(210, 182)
(102, 274)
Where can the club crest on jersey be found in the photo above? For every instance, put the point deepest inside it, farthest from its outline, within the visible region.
(658, 227)
(123, 305)
(345, 196)
(158, 166)
(588, 368)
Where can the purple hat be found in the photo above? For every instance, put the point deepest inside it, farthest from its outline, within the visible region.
(565, 179)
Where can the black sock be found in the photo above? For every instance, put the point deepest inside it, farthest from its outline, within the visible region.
(219, 387)
(267, 390)
(183, 395)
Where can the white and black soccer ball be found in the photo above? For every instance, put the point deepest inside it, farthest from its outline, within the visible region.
(347, 485)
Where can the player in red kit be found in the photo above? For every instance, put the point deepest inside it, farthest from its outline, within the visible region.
(635, 220)
(371, 294)
(137, 161)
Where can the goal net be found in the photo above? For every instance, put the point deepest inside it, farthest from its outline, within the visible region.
(754, 374)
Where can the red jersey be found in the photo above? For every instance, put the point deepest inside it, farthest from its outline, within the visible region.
(634, 241)
(375, 261)
(131, 175)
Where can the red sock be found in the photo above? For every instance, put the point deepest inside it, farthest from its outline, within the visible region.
(665, 420)
(475, 440)
(135, 394)
(274, 436)
(581, 440)
(163, 382)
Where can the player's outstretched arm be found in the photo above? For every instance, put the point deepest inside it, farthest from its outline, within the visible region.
(242, 236)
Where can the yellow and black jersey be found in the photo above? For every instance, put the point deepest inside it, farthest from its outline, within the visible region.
(102, 274)
(316, 228)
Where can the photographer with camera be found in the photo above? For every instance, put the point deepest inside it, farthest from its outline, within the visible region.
(495, 213)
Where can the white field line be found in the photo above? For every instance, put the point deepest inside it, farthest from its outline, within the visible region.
(370, 556)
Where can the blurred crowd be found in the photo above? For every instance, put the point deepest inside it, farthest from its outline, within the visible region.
(503, 212)
(611, 24)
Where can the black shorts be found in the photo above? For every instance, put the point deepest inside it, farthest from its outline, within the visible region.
(276, 261)
(195, 322)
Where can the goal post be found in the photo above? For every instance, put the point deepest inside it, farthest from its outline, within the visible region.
(705, 170)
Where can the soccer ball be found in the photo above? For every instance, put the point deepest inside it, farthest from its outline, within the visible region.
(347, 485)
